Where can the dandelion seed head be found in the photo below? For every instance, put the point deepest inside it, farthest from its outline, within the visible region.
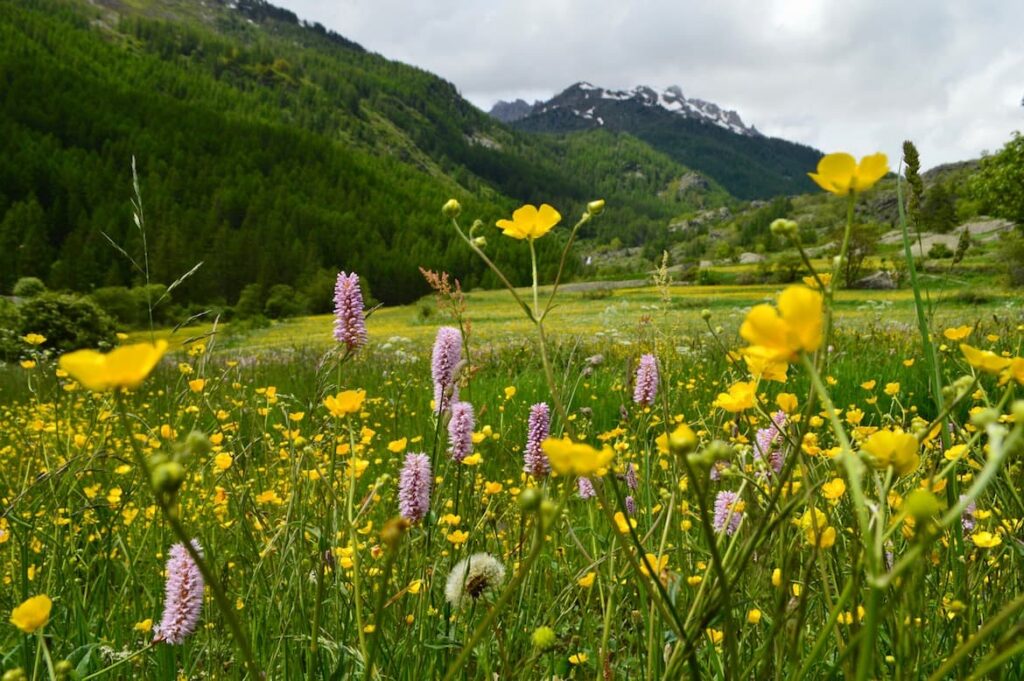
(473, 577)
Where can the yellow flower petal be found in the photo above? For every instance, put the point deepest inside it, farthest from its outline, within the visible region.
(33, 614)
(529, 222)
(835, 173)
(125, 367)
(871, 169)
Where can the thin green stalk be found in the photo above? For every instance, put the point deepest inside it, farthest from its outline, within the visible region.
(356, 585)
(977, 639)
(510, 589)
(170, 515)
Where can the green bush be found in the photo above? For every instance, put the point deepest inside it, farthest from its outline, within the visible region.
(68, 322)
(1012, 253)
(28, 287)
(250, 302)
(131, 306)
(155, 296)
(999, 185)
(939, 250)
(283, 301)
(118, 302)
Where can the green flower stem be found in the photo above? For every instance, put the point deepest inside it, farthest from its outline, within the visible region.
(494, 268)
(830, 291)
(506, 595)
(549, 374)
(171, 516)
(378, 608)
(854, 471)
(658, 594)
(854, 467)
(561, 264)
(819, 644)
(1000, 446)
(935, 379)
(356, 585)
(314, 639)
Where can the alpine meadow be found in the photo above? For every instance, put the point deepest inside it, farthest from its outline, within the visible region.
(313, 369)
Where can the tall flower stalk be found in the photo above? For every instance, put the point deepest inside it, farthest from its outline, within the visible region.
(530, 223)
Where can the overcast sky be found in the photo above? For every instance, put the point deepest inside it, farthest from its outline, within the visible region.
(859, 76)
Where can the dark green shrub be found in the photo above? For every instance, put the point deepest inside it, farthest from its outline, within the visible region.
(68, 322)
(28, 287)
(155, 296)
(939, 250)
(118, 302)
(250, 302)
(283, 301)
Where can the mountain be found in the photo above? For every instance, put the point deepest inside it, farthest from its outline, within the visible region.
(275, 151)
(585, 101)
(506, 112)
(696, 133)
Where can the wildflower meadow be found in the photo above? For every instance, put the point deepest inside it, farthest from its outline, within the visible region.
(795, 494)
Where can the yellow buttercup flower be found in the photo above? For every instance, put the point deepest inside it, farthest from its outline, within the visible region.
(781, 333)
(125, 367)
(576, 458)
(893, 448)
(346, 402)
(34, 338)
(587, 580)
(530, 222)
(824, 277)
(834, 489)
(1014, 370)
(958, 333)
(840, 173)
(816, 529)
(658, 563)
(787, 402)
(33, 614)
(765, 365)
(986, 540)
(682, 438)
(984, 360)
(739, 397)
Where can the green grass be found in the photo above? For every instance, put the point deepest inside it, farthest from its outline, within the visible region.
(496, 319)
(64, 453)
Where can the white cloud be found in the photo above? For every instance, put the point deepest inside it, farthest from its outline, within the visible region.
(859, 76)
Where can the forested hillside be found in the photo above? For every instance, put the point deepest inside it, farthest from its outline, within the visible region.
(275, 151)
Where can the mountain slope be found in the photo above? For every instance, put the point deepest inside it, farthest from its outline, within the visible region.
(276, 151)
(693, 132)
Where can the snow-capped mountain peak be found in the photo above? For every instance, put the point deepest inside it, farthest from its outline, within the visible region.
(586, 101)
